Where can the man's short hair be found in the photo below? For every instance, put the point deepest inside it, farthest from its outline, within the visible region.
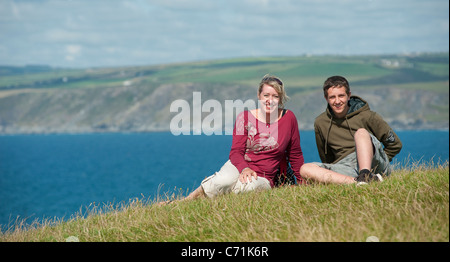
(335, 81)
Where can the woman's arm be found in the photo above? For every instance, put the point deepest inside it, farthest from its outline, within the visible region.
(239, 143)
(294, 150)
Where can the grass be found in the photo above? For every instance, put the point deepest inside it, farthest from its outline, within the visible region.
(412, 205)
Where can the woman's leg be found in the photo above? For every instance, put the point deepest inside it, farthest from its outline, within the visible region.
(222, 182)
(199, 192)
(257, 184)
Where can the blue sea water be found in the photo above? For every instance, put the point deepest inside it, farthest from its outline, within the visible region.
(54, 176)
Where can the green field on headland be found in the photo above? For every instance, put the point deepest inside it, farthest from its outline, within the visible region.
(409, 91)
(412, 205)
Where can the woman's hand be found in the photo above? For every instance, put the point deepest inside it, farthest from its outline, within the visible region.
(246, 175)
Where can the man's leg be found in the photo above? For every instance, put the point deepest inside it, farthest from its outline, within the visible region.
(364, 149)
(323, 175)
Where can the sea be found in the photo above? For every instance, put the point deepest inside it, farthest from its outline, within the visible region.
(56, 177)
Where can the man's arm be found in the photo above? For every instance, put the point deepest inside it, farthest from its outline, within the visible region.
(386, 135)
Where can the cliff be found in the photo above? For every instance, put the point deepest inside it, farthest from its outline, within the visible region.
(410, 92)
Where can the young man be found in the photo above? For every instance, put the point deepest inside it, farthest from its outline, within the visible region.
(350, 139)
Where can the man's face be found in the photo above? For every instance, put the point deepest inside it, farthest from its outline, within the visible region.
(338, 100)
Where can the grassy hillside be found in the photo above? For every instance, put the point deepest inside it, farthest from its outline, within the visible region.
(411, 205)
(297, 72)
(409, 91)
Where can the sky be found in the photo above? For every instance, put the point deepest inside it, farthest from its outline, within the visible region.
(110, 33)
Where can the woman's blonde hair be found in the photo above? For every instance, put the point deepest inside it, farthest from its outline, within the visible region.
(277, 84)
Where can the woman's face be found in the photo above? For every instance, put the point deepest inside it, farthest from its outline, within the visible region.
(268, 99)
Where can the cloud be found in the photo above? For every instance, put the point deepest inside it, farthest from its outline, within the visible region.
(72, 51)
(133, 32)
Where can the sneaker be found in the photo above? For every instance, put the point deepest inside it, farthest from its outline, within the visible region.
(366, 176)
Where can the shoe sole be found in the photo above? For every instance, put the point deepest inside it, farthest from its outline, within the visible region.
(380, 178)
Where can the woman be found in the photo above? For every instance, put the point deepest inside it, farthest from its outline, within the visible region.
(263, 139)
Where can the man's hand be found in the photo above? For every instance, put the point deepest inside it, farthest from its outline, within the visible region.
(246, 175)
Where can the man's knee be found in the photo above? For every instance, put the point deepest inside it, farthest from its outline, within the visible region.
(362, 133)
(362, 136)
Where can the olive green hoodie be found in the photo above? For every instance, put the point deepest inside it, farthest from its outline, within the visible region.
(335, 136)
